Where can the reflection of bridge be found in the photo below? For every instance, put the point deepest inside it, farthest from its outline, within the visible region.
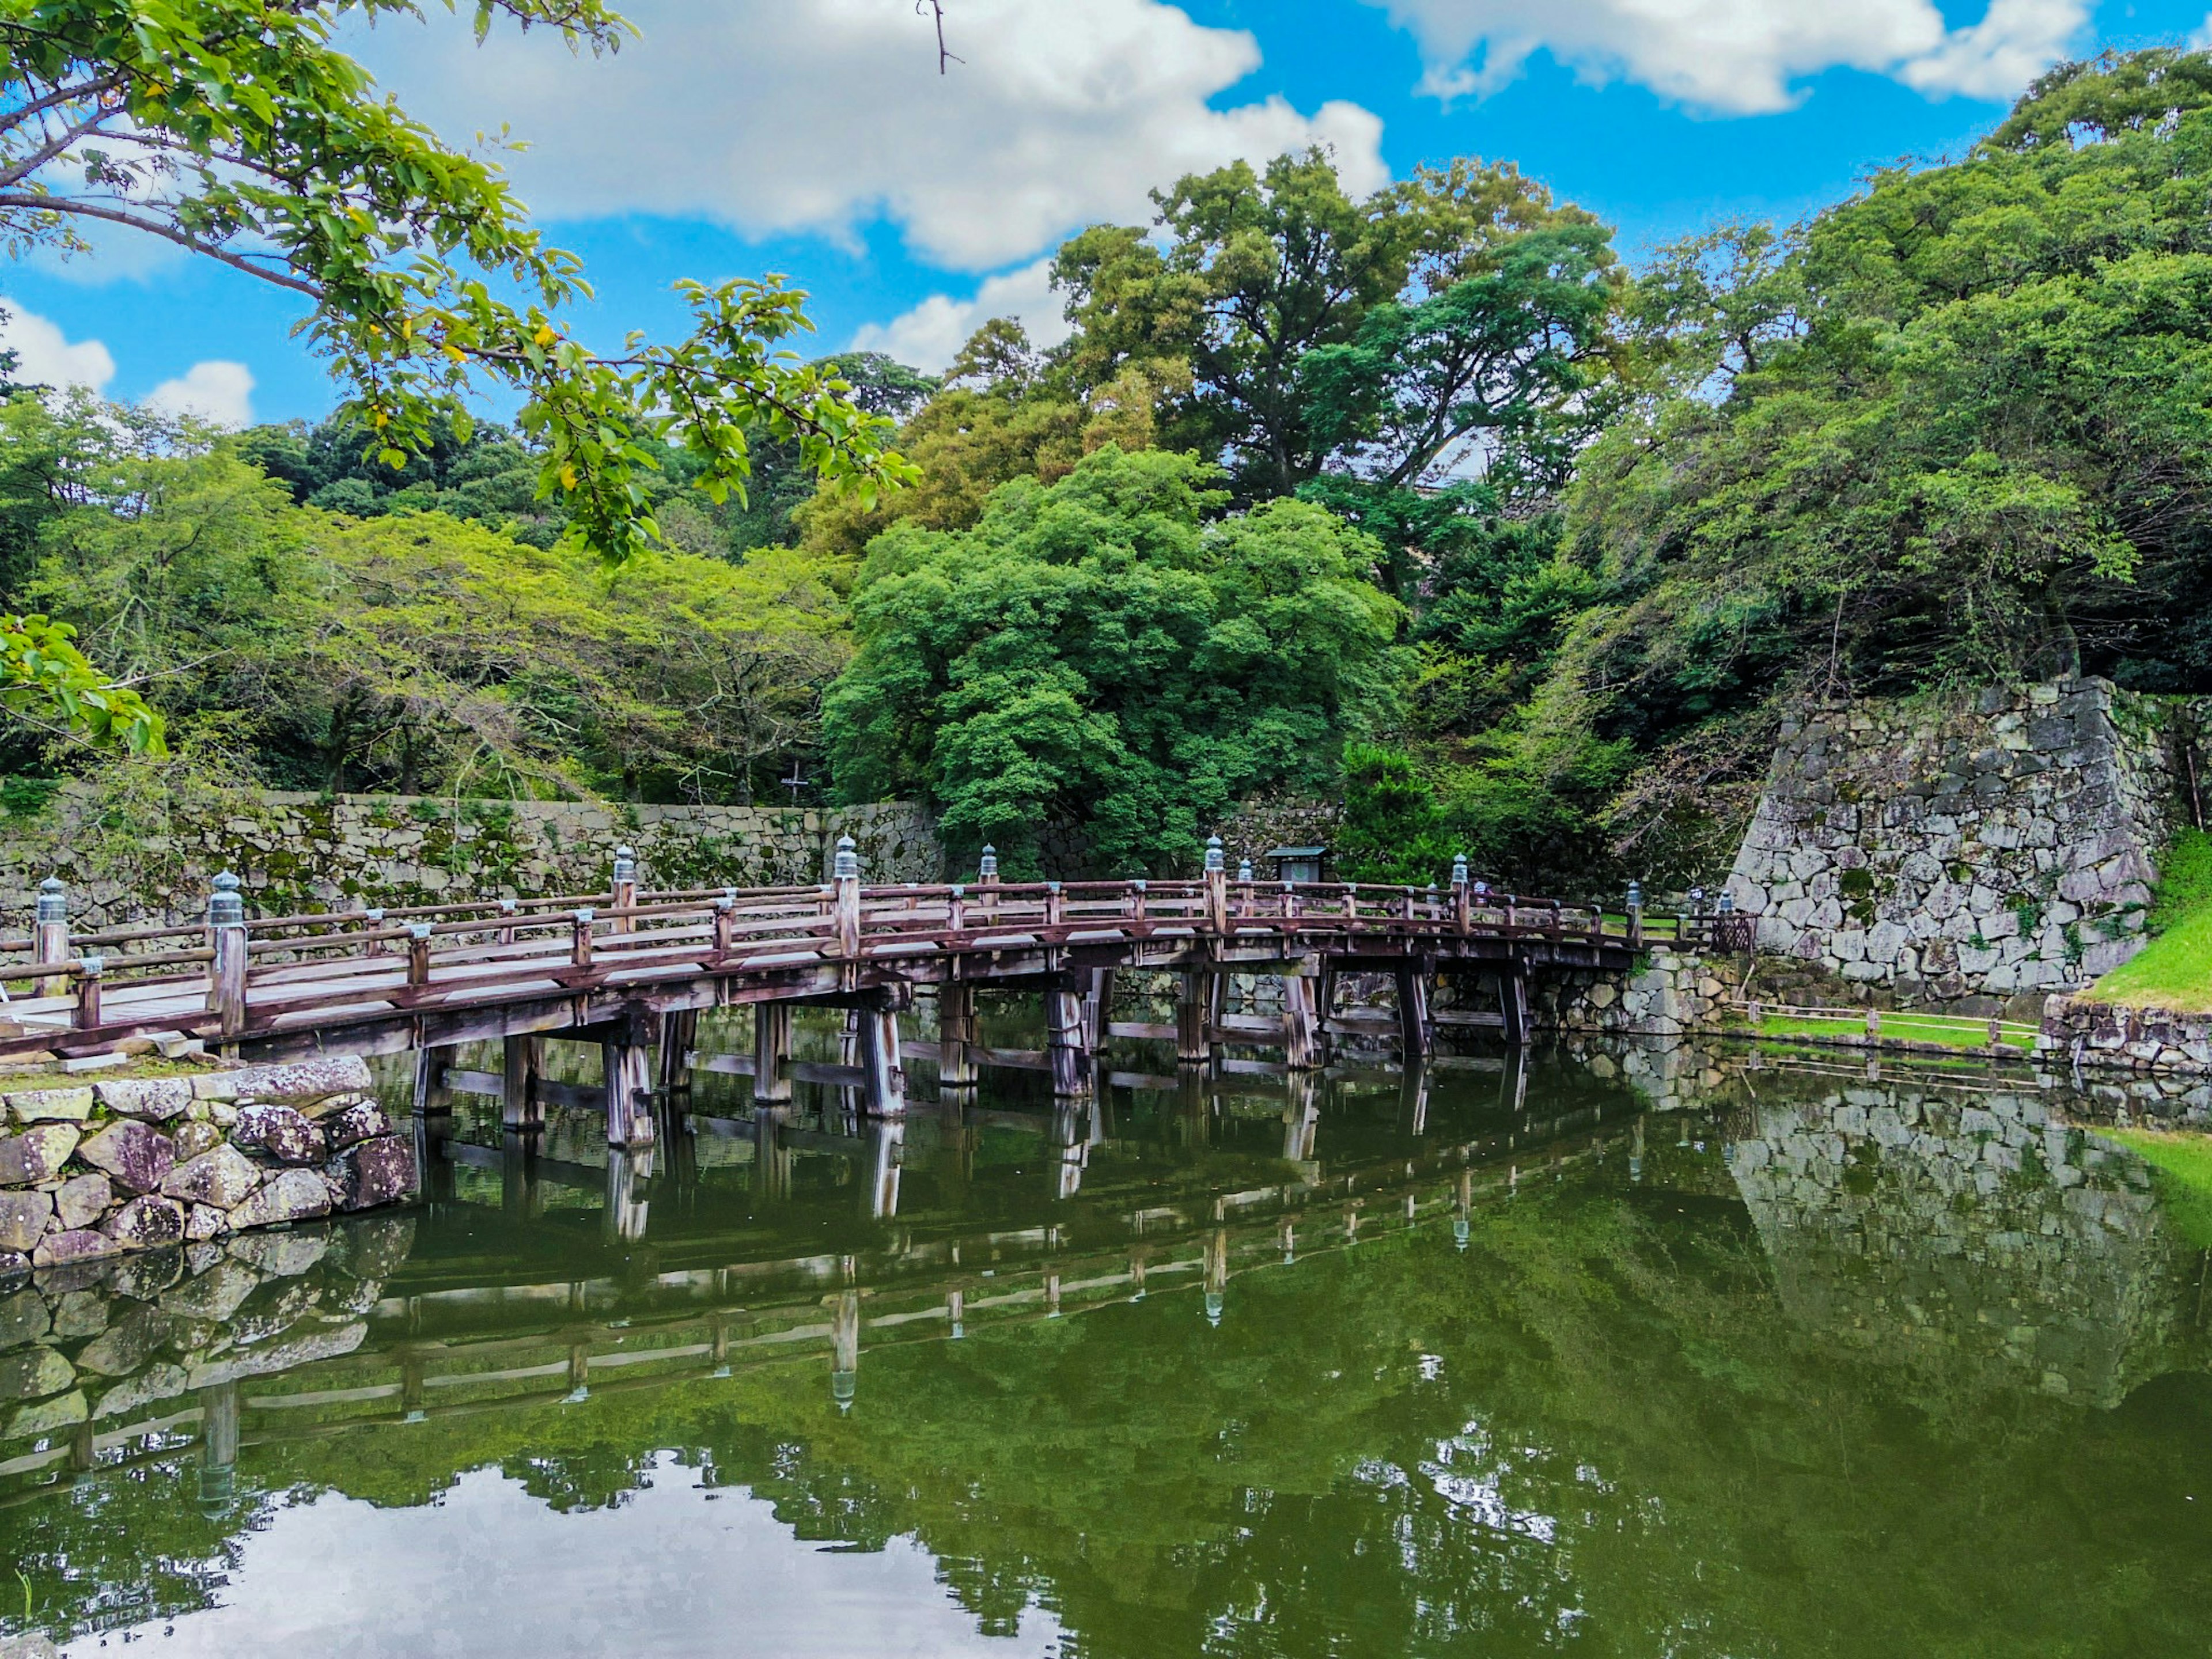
(631, 970)
(434, 1340)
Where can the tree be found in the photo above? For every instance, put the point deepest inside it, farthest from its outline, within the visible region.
(1253, 271)
(1095, 656)
(235, 129)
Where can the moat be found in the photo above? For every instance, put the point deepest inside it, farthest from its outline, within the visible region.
(1624, 1350)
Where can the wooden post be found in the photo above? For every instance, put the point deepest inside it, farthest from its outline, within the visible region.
(986, 882)
(626, 1061)
(1301, 1118)
(219, 1418)
(1071, 1146)
(1325, 1011)
(1244, 887)
(1412, 1011)
(580, 937)
(628, 1172)
(227, 973)
(1513, 1001)
(508, 908)
(519, 1191)
(846, 876)
(418, 953)
(1217, 1274)
(1996, 1033)
(1414, 1099)
(726, 927)
(1098, 1009)
(956, 1035)
(87, 1015)
(885, 1091)
(625, 889)
(1071, 1063)
(771, 1158)
(771, 1048)
(1462, 897)
(49, 943)
(432, 1097)
(679, 1034)
(1636, 915)
(523, 1063)
(1874, 1024)
(1301, 1040)
(1194, 1000)
(1215, 881)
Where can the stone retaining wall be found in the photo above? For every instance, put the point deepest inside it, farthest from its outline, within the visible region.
(97, 1170)
(298, 853)
(1966, 852)
(2080, 1032)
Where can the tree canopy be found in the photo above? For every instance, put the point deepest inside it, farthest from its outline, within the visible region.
(1095, 657)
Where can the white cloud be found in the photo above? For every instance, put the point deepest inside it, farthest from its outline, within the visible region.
(215, 390)
(821, 115)
(927, 336)
(1738, 57)
(2202, 39)
(45, 356)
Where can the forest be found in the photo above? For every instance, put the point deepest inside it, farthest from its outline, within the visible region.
(1433, 499)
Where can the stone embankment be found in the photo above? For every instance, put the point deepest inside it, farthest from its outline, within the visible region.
(298, 853)
(98, 1345)
(2078, 1031)
(1974, 852)
(99, 1169)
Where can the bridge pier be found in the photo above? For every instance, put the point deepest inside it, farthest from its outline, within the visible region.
(772, 1160)
(524, 1058)
(1301, 1119)
(1513, 1002)
(883, 1091)
(679, 1034)
(626, 1055)
(1415, 1038)
(771, 1048)
(1195, 997)
(1302, 1036)
(432, 1097)
(956, 1036)
(1064, 1045)
(627, 1171)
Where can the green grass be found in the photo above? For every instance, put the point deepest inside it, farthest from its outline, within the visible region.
(2174, 970)
(2182, 1167)
(1899, 1028)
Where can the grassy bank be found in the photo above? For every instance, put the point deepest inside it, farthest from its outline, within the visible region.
(2183, 1163)
(2174, 970)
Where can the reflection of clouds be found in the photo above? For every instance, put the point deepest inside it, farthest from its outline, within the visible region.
(488, 1570)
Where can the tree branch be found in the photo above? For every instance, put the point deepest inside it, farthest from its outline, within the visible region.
(167, 233)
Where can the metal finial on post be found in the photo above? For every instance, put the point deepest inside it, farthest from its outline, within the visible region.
(1726, 905)
(846, 867)
(1634, 912)
(226, 905)
(1243, 869)
(1459, 870)
(1215, 860)
(845, 872)
(625, 864)
(53, 901)
(987, 867)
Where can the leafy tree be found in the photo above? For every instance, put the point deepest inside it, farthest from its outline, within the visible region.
(48, 683)
(1254, 271)
(1095, 654)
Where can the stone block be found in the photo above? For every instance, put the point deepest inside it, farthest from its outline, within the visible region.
(37, 1154)
(193, 1139)
(45, 1417)
(281, 1133)
(224, 1177)
(23, 1318)
(136, 1157)
(362, 1121)
(51, 1105)
(156, 1099)
(213, 1295)
(150, 1223)
(293, 1195)
(81, 1201)
(58, 1249)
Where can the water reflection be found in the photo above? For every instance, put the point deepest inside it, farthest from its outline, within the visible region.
(1635, 1347)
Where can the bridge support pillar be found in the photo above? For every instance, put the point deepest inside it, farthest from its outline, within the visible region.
(1413, 1036)
(884, 1091)
(1071, 1147)
(1193, 1002)
(1513, 1002)
(679, 1034)
(771, 1048)
(1098, 1009)
(1301, 1038)
(771, 1158)
(1301, 1118)
(886, 1156)
(1064, 1045)
(432, 1097)
(627, 1171)
(956, 1036)
(626, 1059)
(1414, 1099)
(519, 1108)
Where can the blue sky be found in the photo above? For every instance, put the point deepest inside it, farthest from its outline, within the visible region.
(815, 137)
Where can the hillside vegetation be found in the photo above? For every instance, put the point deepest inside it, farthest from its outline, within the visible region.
(1426, 495)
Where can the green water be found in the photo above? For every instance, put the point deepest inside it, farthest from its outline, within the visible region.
(1632, 1353)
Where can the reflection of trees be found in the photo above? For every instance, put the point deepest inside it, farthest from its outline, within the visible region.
(1599, 1425)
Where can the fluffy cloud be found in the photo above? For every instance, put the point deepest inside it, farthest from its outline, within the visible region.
(928, 335)
(45, 356)
(820, 115)
(215, 391)
(1738, 57)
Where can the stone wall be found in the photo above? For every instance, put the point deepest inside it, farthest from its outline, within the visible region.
(297, 852)
(2078, 1031)
(97, 1170)
(1973, 852)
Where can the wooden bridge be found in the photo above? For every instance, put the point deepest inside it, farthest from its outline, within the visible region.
(631, 969)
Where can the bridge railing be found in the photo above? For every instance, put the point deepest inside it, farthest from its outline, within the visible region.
(273, 972)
